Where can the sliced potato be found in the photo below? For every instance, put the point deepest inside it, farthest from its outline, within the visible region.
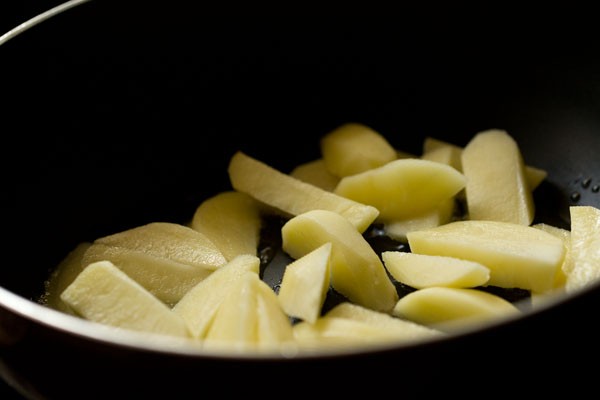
(199, 305)
(352, 148)
(274, 327)
(496, 188)
(567, 265)
(316, 173)
(585, 247)
(450, 308)
(443, 153)
(452, 154)
(249, 317)
(105, 294)
(291, 195)
(356, 270)
(305, 283)
(168, 240)
(442, 214)
(232, 221)
(518, 256)
(404, 188)
(348, 323)
(535, 176)
(64, 274)
(420, 270)
(235, 320)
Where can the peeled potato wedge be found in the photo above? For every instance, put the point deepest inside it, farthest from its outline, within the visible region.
(232, 221)
(420, 270)
(404, 188)
(518, 256)
(352, 148)
(305, 283)
(349, 323)
(168, 240)
(105, 294)
(451, 154)
(249, 317)
(64, 274)
(198, 307)
(451, 308)
(585, 247)
(316, 173)
(442, 214)
(496, 185)
(291, 195)
(356, 270)
(235, 319)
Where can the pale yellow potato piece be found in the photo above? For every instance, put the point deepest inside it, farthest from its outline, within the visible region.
(450, 308)
(353, 148)
(496, 188)
(167, 279)
(105, 294)
(199, 305)
(351, 324)
(442, 214)
(567, 265)
(169, 240)
(518, 256)
(274, 326)
(535, 176)
(431, 143)
(235, 320)
(232, 221)
(404, 188)
(407, 329)
(356, 270)
(585, 247)
(451, 154)
(421, 270)
(64, 274)
(305, 283)
(291, 195)
(404, 154)
(249, 317)
(542, 299)
(166, 258)
(316, 173)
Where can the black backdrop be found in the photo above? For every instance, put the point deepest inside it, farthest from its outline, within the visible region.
(100, 83)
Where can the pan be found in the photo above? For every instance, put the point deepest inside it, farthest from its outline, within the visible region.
(120, 115)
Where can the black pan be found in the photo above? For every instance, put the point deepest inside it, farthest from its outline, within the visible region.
(115, 116)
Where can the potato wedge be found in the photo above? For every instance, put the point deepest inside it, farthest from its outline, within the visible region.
(199, 305)
(232, 221)
(442, 214)
(451, 308)
(496, 188)
(351, 324)
(105, 294)
(421, 270)
(585, 247)
(305, 283)
(356, 270)
(291, 195)
(404, 188)
(451, 154)
(352, 148)
(64, 274)
(316, 173)
(518, 256)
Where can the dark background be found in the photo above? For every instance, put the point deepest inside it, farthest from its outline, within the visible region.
(132, 94)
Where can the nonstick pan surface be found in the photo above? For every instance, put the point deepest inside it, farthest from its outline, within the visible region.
(121, 117)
